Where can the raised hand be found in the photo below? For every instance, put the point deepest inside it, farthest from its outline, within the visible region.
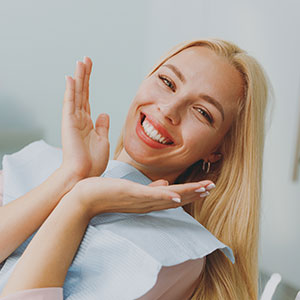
(99, 195)
(85, 146)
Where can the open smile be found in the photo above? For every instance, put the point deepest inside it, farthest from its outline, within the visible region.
(152, 133)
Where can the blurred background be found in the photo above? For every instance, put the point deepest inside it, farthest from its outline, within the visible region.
(41, 41)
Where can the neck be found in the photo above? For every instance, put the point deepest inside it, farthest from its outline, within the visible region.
(124, 157)
(152, 172)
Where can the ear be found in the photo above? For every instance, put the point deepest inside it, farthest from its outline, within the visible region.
(214, 157)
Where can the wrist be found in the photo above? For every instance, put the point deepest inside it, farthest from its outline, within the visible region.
(73, 201)
(86, 194)
(58, 184)
(67, 177)
(77, 200)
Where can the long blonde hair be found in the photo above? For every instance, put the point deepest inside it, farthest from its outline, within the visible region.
(231, 212)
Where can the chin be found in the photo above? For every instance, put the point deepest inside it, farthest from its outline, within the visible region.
(138, 154)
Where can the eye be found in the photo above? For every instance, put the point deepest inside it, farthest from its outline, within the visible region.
(205, 114)
(167, 82)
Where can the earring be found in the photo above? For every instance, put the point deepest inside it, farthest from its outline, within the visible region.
(206, 166)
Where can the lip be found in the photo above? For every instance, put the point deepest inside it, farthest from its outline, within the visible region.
(159, 128)
(144, 137)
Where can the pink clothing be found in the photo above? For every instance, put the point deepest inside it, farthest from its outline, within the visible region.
(1, 187)
(175, 282)
(37, 294)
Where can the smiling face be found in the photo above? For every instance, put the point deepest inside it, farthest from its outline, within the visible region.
(181, 113)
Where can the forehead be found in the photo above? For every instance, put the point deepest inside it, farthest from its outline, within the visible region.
(209, 73)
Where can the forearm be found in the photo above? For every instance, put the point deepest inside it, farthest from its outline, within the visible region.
(23, 216)
(47, 258)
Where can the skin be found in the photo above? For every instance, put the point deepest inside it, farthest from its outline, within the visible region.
(182, 113)
(85, 155)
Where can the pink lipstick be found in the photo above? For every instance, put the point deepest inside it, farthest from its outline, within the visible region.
(153, 133)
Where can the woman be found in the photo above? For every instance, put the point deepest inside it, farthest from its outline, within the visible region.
(206, 100)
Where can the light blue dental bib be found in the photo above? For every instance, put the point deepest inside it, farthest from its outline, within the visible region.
(121, 254)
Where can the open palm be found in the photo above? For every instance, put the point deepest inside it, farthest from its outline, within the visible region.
(85, 146)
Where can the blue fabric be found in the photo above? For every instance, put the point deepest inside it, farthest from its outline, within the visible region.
(121, 254)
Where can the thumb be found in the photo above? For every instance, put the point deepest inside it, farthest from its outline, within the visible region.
(102, 125)
(160, 182)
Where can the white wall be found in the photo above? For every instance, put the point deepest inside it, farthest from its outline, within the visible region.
(40, 43)
(41, 40)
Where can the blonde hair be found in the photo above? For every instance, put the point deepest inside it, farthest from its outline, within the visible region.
(231, 212)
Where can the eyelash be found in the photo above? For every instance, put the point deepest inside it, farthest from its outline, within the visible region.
(164, 79)
(170, 85)
(205, 114)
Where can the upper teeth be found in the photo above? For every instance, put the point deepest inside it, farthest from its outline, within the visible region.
(153, 133)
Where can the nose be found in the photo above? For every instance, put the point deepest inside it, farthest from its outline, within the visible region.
(170, 111)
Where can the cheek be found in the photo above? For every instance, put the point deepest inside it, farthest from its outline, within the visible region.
(148, 91)
(200, 141)
(130, 116)
(142, 97)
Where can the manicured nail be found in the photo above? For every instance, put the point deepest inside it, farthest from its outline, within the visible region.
(201, 190)
(210, 186)
(176, 200)
(204, 194)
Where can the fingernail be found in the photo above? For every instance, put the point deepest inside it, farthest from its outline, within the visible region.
(176, 200)
(204, 194)
(66, 76)
(201, 190)
(210, 186)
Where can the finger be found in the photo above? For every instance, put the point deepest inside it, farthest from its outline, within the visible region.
(85, 97)
(102, 125)
(205, 194)
(68, 104)
(157, 193)
(169, 199)
(88, 108)
(160, 182)
(190, 187)
(79, 76)
(165, 205)
(190, 192)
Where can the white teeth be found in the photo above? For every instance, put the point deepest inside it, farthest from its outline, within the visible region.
(153, 133)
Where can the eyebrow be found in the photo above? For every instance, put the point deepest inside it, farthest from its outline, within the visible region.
(176, 71)
(205, 97)
(214, 102)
